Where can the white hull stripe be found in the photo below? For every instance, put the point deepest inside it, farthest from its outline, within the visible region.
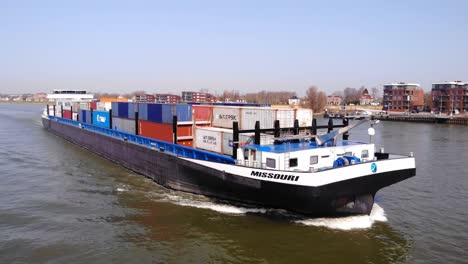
(313, 179)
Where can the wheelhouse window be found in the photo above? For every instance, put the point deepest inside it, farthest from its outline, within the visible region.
(313, 160)
(271, 163)
(293, 162)
(365, 154)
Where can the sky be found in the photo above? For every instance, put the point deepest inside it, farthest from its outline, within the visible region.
(248, 46)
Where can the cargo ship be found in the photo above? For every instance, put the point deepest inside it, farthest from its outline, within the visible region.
(257, 155)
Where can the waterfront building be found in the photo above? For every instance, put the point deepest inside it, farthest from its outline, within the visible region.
(403, 97)
(198, 97)
(167, 98)
(146, 98)
(334, 100)
(450, 97)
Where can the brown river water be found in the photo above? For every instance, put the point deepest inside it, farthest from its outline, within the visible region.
(60, 203)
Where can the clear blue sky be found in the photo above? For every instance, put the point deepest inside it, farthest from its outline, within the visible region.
(170, 46)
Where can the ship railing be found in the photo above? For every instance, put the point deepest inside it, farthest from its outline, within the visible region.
(162, 146)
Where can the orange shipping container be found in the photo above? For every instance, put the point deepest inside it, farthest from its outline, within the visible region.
(202, 112)
(112, 99)
(162, 131)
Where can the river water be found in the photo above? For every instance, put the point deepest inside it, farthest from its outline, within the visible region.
(60, 203)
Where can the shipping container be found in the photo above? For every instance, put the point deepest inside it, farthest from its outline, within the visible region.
(123, 124)
(85, 106)
(202, 112)
(93, 105)
(122, 110)
(286, 117)
(67, 114)
(185, 142)
(113, 99)
(304, 116)
(154, 113)
(75, 107)
(115, 109)
(220, 140)
(103, 106)
(82, 116)
(209, 138)
(167, 113)
(155, 130)
(183, 112)
(250, 115)
(132, 109)
(101, 118)
(75, 116)
(223, 116)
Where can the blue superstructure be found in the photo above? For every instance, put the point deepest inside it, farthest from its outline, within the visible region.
(295, 146)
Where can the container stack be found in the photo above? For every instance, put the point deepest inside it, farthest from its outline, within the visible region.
(123, 116)
(156, 121)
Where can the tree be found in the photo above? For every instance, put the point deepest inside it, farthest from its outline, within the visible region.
(315, 99)
(375, 92)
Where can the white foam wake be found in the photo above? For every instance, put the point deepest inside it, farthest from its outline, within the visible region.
(350, 222)
(218, 207)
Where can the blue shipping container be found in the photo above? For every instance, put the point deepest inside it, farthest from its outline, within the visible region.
(115, 109)
(143, 111)
(89, 117)
(167, 113)
(82, 116)
(101, 118)
(154, 113)
(123, 110)
(184, 112)
(132, 108)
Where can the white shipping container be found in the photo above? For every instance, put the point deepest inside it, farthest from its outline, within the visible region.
(85, 106)
(75, 116)
(286, 117)
(224, 116)
(250, 115)
(103, 106)
(123, 124)
(304, 116)
(208, 139)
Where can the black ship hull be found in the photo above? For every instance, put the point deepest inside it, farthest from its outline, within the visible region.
(351, 196)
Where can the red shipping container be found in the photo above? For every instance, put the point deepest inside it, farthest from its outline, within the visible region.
(162, 131)
(155, 130)
(184, 130)
(93, 105)
(67, 114)
(202, 112)
(185, 142)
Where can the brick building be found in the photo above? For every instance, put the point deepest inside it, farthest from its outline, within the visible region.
(403, 97)
(449, 97)
(167, 98)
(198, 97)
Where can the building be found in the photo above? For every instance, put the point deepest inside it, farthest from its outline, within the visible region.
(366, 98)
(294, 101)
(198, 97)
(449, 97)
(146, 98)
(40, 97)
(334, 100)
(167, 98)
(403, 97)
